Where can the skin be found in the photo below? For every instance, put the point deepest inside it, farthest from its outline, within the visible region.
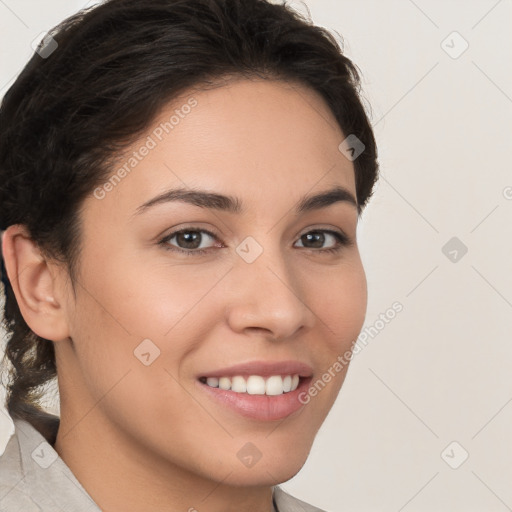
(148, 438)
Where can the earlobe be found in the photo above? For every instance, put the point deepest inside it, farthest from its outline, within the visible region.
(34, 284)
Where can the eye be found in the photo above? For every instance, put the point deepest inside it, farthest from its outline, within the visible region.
(190, 241)
(318, 238)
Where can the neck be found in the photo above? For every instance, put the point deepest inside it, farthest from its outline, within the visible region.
(120, 474)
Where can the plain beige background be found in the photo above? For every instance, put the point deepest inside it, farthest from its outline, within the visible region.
(424, 420)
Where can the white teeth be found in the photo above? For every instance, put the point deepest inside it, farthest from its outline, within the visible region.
(213, 382)
(274, 385)
(225, 383)
(238, 385)
(255, 384)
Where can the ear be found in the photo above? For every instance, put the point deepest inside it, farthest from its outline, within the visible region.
(35, 284)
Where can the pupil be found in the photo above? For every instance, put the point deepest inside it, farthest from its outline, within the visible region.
(189, 237)
(319, 238)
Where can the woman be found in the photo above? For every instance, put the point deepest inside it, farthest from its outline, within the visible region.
(181, 182)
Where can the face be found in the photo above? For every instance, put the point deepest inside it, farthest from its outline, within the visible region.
(247, 291)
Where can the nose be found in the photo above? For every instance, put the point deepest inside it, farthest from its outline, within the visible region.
(269, 298)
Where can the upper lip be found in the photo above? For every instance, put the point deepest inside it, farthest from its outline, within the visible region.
(263, 368)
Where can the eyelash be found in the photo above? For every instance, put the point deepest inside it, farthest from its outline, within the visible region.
(342, 239)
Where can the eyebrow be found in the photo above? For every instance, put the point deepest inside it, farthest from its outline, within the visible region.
(230, 204)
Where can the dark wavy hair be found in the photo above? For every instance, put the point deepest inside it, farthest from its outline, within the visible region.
(98, 82)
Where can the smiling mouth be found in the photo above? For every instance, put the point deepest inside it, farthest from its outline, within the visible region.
(272, 385)
(273, 396)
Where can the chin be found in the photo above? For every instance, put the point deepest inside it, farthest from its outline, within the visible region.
(263, 477)
(275, 469)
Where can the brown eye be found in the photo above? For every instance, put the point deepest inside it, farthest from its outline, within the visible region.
(188, 241)
(317, 238)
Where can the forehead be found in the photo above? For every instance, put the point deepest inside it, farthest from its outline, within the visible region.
(259, 140)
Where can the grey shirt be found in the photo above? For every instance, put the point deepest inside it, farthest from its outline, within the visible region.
(33, 478)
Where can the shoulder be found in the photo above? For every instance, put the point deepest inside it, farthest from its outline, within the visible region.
(287, 503)
(14, 490)
(33, 478)
(10, 461)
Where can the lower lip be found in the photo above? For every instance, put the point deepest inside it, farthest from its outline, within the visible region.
(259, 407)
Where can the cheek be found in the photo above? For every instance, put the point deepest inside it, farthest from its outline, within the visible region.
(341, 312)
(129, 366)
(131, 313)
(342, 306)
(139, 298)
